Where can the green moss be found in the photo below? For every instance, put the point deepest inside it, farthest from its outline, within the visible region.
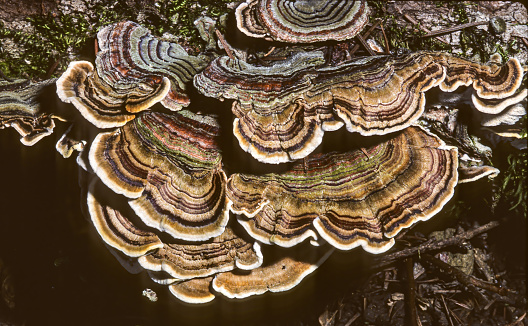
(58, 39)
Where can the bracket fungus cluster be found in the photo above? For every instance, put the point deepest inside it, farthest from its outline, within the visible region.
(200, 227)
(134, 70)
(281, 114)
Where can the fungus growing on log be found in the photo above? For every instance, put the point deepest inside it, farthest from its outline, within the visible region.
(21, 109)
(351, 198)
(302, 21)
(282, 117)
(170, 168)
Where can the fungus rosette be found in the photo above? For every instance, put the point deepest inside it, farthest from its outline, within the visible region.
(170, 167)
(133, 71)
(281, 114)
(21, 109)
(351, 198)
(302, 21)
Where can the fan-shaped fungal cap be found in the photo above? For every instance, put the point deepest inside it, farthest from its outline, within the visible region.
(279, 276)
(196, 290)
(220, 254)
(118, 231)
(302, 21)
(20, 109)
(170, 167)
(473, 173)
(131, 55)
(279, 119)
(103, 104)
(353, 198)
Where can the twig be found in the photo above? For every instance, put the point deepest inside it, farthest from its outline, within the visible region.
(453, 29)
(413, 21)
(353, 319)
(52, 68)
(524, 41)
(270, 51)
(411, 297)
(434, 244)
(224, 44)
(460, 276)
(448, 313)
(365, 35)
(5, 77)
(385, 39)
(365, 45)
(518, 321)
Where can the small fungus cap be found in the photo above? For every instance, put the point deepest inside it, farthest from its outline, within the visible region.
(302, 21)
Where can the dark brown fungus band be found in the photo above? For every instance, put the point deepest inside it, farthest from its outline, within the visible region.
(282, 117)
(103, 104)
(21, 109)
(353, 198)
(118, 231)
(186, 267)
(170, 167)
(302, 21)
(220, 254)
(277, 276)
(130, 54)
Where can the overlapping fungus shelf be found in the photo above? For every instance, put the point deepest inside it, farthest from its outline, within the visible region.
(133, 71)
(21, 109)
(170, 168)
(177, 261)
(281, 119)
(302, 21)
(351, 199)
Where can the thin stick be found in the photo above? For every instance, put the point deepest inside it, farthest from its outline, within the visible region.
(413, 21)
(52, 68)
(524, 41)
(447, 311)
(453, 29)
(385, 38)
(5, 77)
(411, 297)
(367, 34)
(457, 274)
(434, 244)
(224, 44)
(270, 51)
(365, 45)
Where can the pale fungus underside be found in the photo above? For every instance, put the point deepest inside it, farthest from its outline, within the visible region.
(167, 167)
